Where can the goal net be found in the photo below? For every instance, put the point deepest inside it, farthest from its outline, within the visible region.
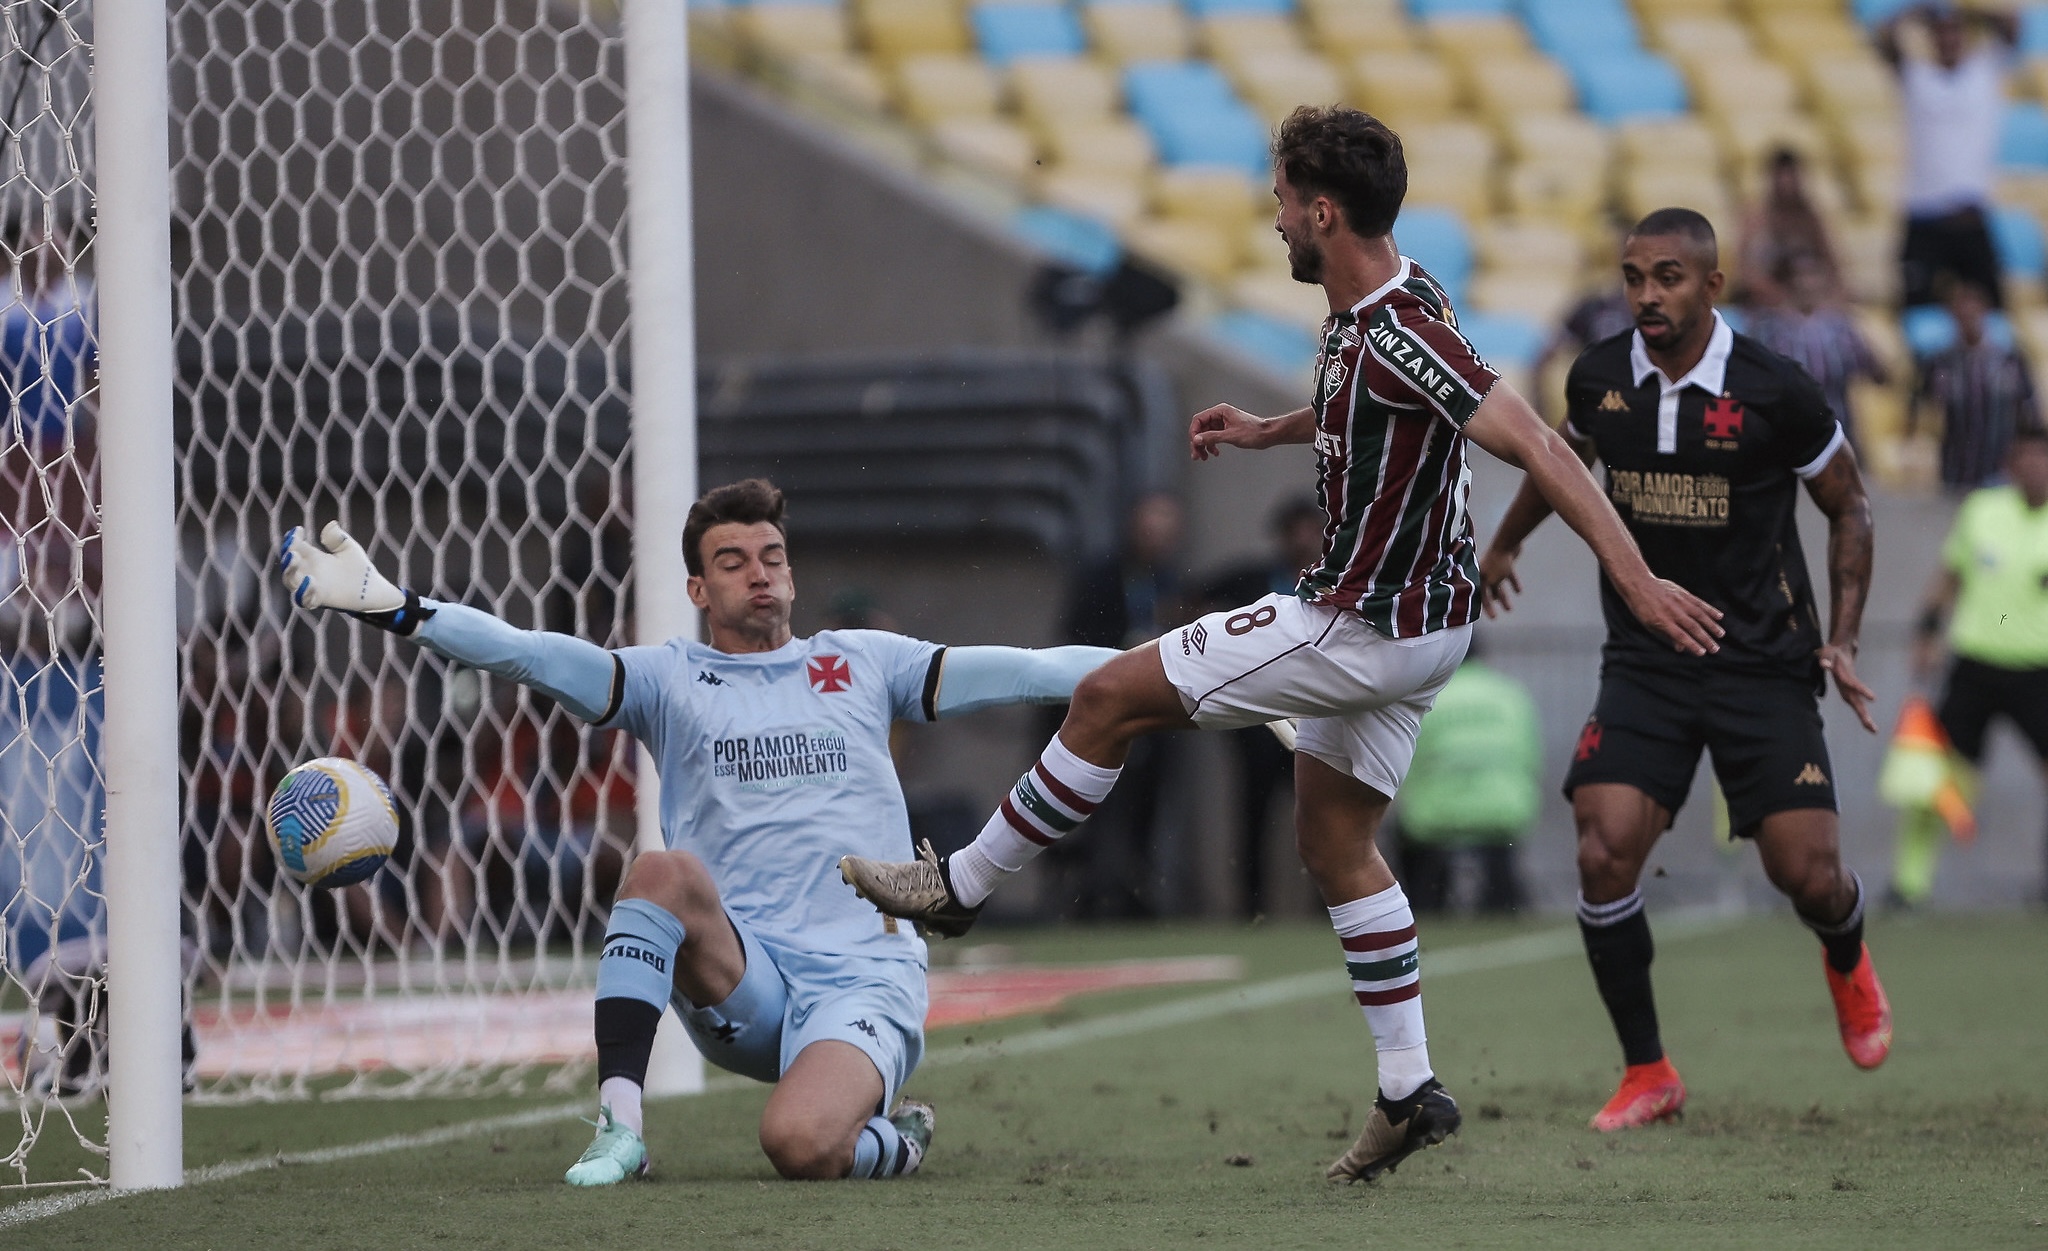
(400, 302)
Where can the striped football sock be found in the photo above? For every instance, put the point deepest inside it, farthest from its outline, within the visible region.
(883, 1151)
(1378, 933)
(1045, 805)
(1844, 938)
(1619, 947)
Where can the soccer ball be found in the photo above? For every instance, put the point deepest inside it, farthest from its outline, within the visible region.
(331, 822)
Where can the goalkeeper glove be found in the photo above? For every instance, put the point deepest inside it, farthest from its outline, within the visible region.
(336, 573)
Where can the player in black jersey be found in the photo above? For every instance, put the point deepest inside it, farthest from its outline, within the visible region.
(1706, 436)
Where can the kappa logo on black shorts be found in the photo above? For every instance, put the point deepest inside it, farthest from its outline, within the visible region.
(1811, 775)
(1589, 741)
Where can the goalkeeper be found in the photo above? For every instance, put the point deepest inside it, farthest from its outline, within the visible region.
(774, 756)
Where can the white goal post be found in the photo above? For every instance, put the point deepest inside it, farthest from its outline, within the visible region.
(422, 268)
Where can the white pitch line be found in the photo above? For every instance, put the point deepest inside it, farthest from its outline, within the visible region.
(1474, 958)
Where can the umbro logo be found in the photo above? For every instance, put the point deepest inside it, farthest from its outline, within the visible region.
(1811, 775)
(709, 678)
(1195, 638)
(1613, 403)
(865, 1028)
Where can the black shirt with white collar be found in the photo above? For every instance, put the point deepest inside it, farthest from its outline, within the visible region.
(1705, 473)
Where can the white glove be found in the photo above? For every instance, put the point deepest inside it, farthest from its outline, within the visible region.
(337, 573)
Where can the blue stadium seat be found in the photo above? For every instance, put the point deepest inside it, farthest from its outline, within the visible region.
(1282, 347)
(1871, 12)
(1505, 340)
(1158, 88)
(2034, 30)
(1008, 31)
(1069, 238)
(1216, 134)
(2023, 140)
(1627, 86)
(1928, 329)
(1221, 8)
(1461, 8)
(1581, 29)
(2021, 248)
(1437, 238)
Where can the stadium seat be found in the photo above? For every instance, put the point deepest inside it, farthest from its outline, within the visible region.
(1159, 89)
(1271, 291)
(1109, 143)
(1626, 86)
(1867, 248)
(1658, 9)
(1540, 295)
(1796, 36)
(1069, 238)
(1528, 246)
(1645, 190)
(841, 77)
(1748, 140)
(1403, 88)
(1567, 139)
(2023, 140)
(1512, 86)
(1062, 87)
(1227, 135)
(1232, 36)
(1844, 85)
(1557, 191)
(1506, 341)
(2021, 248)
(1009, 31)
(1437, 240)
(1273, 83)
(1683, 38)
(1464, 37)
(988, 143)
(1202, 248)
(1741, 85)
(894, 29)
(1461, 8)
(1220, 8)
(1138, 32)
(2033, 30)
(1450, 184)
(1284, 347)
(1113, 197)
(1465, 143)
(1929, 328)
(1667, 141)
(1581, 31)
(1228, 198)
(1871, 12)
(795, 28)
(1343, 28)
(934, 86)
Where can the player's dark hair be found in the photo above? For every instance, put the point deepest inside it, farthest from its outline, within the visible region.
(1348, 156)
(1687, 224)
(736, 503)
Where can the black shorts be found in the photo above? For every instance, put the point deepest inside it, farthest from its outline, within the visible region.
(1977, 692)
(1763, 732)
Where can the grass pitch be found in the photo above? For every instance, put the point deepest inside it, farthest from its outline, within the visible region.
(1215, 1133)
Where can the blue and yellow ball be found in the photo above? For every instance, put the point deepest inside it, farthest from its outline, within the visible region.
(331, 822)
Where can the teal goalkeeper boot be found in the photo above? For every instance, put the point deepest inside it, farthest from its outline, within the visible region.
(614, 1155)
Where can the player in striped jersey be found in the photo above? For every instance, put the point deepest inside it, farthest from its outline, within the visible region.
(1360, 648)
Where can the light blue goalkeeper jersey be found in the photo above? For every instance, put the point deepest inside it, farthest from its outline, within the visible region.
(775, 764)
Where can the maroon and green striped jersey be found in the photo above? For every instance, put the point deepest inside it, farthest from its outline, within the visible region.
(1395, 384)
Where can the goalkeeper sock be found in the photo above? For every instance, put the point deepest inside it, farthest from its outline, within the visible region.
(1045, 805)
(1844, 938)
(1620, 949)
(1919, 848)
(635, 979)
(882, 1151)
(1378, 933)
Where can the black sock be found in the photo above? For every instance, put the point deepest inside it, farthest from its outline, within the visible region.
(1399, 1110)
(625, 1038)
(1620, 949)
(1844, 938)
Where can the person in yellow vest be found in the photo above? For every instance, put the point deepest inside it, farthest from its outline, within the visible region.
(1473, 790)
(1995, 576)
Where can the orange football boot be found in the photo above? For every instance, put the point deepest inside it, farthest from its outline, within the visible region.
(1862, 1011)
(1649, 1093)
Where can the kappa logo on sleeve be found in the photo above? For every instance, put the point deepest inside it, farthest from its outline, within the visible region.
(829, 675)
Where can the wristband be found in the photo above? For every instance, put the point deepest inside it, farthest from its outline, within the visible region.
(402, 620)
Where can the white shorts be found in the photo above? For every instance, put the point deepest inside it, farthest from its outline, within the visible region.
(1358, 695)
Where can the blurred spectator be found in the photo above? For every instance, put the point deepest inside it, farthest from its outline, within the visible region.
(1995, 576)
(1983, 391)
(1122, 601)
(1812, 327)
(1781, 233)
(1265, 768)
(1473, 789)
(1954, 108)
(1602, 314)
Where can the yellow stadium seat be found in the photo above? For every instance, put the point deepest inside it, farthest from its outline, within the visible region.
(1139, 32)
(1567, 139)
(1566, 192)
(1847, 85)
(1535, 294)
(1647, 189)
(1800, 34)
(893, 29)
(1343, 28)
(1468, 37)
(1529, 245)
(988, 143)
(1276, 295)
(934, 86)
(1514, 85)
(1464, 143)
(1655, 9)
(2029, 191)
(1273, 83)
(1680, 141)
(1686, 37)
(1117, 144)
(1203, 248)
(1749, 139)
(1262, 245)
(1867, 249)
(1114, 197)
(1402, 88)
(1062, 87)
(1230, 36)
(1227, 198)
(1765, 8)
(1450, 184)
(795, 28)
(1741, 85)
(842, 77)
(2032, 78)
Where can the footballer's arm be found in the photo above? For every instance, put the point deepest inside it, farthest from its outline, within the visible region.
(965, 679)
(336, 573)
